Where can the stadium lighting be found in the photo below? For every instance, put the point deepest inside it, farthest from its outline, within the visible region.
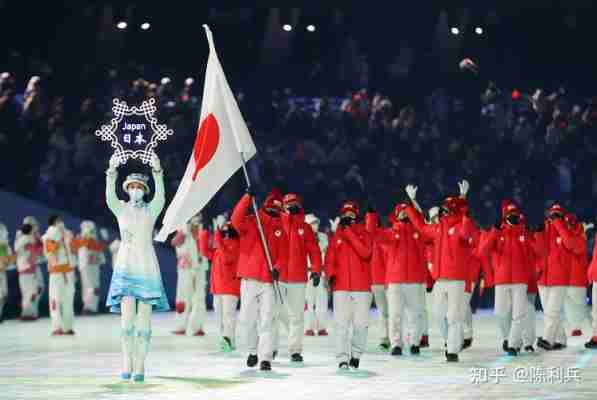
(121, 25)
(145, 26)
(479, 30)
(311, 28)
(455, 31)
(287, 27)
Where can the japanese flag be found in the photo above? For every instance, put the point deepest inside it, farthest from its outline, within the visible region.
(221, 136)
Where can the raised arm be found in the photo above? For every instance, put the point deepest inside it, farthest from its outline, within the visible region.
(159, 199)
(111, 176)
(240, 212)
(572, 241)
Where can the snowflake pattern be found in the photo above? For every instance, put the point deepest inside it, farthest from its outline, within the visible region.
(121, 109)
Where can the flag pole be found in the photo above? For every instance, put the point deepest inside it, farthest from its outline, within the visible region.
(260, 229)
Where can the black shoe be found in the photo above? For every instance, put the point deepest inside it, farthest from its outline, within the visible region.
(544, 344)
(467, 343)
(529, 349)
(265, 366)
(354, 363)
(384, 346)
(558, 346)
(252, 360)
(296, 357)
(275, 354)
(343, 365)
(591, 344)
(415, 350)
(505, 345)
(396, 351)
(451, 357)
(512, 351)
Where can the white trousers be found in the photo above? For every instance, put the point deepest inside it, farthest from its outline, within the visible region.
(351, 310)
(28, 286)
(61, 297)
(90, 287)
(257, 309)
(41, 287)
(448, 302)
(575, 306)
(406, 301)
(225, 309)
(552, 300)
(291, 314)
(317, 305)
(511, 309)
(427, 316)
(529, 324)
(467, 312)
(381, 302)
(594, 313)
(190, 292)
(3, 292)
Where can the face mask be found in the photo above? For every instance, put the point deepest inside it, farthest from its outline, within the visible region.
(60, 225)
(513, 219)
(136, 194)
(443, 211)
(294, 210)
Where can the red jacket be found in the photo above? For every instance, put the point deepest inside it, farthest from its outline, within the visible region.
(512, 253)
(429, 254)
(224, 258)
(580, 262)
(347, 259)
(405, 253)
(451, 237)
(378, 262)
(592, 272)
(558, 245)
(252, 263)
(302, 243)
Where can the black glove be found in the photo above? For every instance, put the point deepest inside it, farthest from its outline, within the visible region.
(332, 282)
(316, 278)
(275, 275)
(429, 289)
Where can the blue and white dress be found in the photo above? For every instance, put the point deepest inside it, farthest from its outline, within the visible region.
(136, 271)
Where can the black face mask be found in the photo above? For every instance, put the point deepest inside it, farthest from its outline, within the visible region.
(443, 211)
(229, 233)
(272, 212)
(346, 221)
(513, 219)
(294, 210)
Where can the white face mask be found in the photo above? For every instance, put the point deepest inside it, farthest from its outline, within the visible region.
(136, 194)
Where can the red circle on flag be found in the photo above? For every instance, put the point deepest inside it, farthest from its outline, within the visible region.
(206, 143)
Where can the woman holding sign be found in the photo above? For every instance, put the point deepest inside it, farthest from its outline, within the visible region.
(136, 289)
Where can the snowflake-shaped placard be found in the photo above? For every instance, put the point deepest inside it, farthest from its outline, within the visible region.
(135, 143)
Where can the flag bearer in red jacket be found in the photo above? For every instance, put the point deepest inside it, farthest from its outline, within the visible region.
(225, 285)
(378, 275)
(349, 273)
(560, 246)
(303, 250)
(258, 296)
(510, 246)
(406, 277)
(451, 236)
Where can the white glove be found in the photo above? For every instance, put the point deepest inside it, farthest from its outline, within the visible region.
(104, 234)
(220, 221)
(463, 186)
(114, 163)
(334, 224)
(588, 226)
(155, 163)
(411, 191)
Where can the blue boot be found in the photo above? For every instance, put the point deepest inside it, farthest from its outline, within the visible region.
(125, 376)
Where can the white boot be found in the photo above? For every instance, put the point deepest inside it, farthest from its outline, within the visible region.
(141, 349)
(128, 343)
